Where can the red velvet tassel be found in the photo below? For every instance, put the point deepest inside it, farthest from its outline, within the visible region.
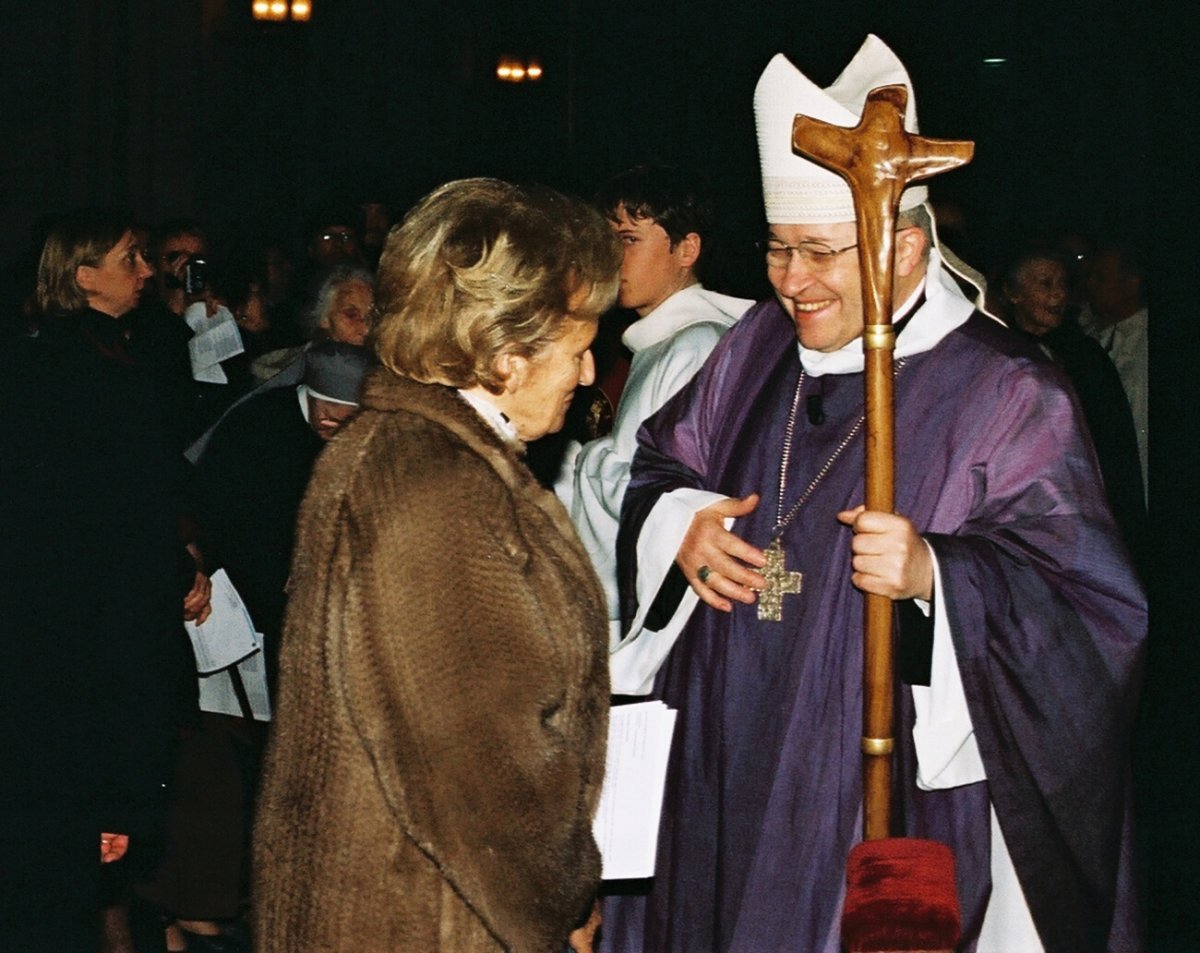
(900, 896)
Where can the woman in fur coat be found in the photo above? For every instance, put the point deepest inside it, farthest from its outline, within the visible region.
(439, 740)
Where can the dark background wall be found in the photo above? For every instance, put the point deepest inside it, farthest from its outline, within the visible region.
(189, 106)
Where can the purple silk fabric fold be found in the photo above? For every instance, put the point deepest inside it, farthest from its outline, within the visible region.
(764, 786)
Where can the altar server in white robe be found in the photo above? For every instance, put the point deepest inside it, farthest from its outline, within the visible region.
(664, 220)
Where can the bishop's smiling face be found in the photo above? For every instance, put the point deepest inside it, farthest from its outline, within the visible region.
(824, 301)
(823, 294)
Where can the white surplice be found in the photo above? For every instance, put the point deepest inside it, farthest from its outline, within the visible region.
(669, 345)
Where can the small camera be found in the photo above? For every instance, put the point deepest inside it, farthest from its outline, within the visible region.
(195, 276)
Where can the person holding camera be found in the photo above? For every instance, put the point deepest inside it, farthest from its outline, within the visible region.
(161, 330)
(180, 258)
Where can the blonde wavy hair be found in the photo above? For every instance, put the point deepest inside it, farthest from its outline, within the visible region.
(480, 268)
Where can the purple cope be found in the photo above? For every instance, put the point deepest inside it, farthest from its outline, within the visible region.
(763, 797)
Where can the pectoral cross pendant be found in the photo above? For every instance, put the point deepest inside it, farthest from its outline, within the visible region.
(780, 582)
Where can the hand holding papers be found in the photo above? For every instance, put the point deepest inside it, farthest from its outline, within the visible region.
(626, 825)
(215, 339)
(227, 640)
(228, 636)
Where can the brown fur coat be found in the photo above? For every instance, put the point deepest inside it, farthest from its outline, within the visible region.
(439, 738)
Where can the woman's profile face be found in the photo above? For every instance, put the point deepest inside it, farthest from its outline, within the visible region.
(114, 286)
(541, 386)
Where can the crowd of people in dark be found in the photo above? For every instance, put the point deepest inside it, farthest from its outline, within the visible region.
(133, 480)
(136, 467)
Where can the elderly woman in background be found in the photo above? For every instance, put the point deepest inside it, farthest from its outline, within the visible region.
(1034, 297)
(343, 307)
(439, 740)
(340, 312)
(95, 587)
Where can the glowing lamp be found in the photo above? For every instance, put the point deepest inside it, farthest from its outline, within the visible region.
(280, 10)
(511, 69)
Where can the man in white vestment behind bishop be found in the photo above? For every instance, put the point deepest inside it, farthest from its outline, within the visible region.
(664, 220)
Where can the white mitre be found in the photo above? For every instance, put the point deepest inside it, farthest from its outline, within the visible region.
(796, 190)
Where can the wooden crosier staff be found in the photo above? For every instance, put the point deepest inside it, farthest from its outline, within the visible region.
(901, 893)
(878, 160)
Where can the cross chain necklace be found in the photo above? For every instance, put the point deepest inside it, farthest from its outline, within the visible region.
(780, 581)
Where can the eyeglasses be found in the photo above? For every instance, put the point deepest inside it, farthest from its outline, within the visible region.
(817, 255)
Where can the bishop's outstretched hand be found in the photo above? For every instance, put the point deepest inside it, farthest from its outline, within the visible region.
(730, 564)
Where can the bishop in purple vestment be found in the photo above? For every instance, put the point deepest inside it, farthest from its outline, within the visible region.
(1022, 622)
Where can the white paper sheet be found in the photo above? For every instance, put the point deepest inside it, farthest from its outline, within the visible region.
(217, 338)
(217, 693)
(211, 375)
(227, 635)
(626, 825)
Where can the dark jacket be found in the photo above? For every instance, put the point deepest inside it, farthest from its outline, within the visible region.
(92, 575)
(1110, 424)
(248, 488)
